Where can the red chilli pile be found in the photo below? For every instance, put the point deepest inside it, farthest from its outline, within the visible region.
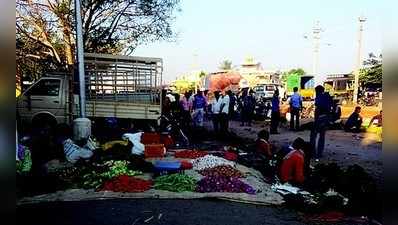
(126, 183)
(223, 170)
(190, 154)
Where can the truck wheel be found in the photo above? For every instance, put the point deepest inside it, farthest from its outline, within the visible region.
(44, 121)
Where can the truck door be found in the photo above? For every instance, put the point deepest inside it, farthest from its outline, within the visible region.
(45, 96)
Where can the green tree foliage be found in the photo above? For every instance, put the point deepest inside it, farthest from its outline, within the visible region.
(372, 73)
(46, 30)
(226, 65)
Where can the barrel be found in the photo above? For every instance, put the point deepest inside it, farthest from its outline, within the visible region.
(81, 129)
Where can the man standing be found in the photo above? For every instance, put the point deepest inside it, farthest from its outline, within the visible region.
(224, 114)
(185, 110)
(215, 108)
(275, 114)
(296, 105)
(323, 107)
(232, 102)
(249, 104)
(199, 105)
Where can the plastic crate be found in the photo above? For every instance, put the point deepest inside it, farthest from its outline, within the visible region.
(150, 138)
(154, 151)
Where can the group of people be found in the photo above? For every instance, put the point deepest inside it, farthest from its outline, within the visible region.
(194, 107)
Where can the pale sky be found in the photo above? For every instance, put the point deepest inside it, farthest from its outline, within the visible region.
(270, 31)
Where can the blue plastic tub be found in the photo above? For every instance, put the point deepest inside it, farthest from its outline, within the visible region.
(167, 165)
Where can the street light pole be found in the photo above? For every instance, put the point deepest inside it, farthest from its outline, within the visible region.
(315, 63)
(359, 60)
(82, 125)
(80, 58)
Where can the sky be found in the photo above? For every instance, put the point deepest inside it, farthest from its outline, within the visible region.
(210, 31)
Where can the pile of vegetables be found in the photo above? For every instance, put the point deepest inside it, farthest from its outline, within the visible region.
(226, 171)
(117, 168)
(175, 183)
(223, 184)
(126, 183)
(210, 161)
(190, 154)
(95, 179)
(25, 165)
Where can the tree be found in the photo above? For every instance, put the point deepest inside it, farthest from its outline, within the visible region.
(298, 71)
(226, 65)
(46, 31)
(372, 72)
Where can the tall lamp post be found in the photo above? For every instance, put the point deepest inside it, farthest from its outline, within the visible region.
(82, 125)
(358, 61)
(80, 58)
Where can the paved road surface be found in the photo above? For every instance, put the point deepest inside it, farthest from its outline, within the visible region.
(135, 211)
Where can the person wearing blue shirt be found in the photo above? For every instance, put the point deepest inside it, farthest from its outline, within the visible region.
(296, 104)
(275, 113)
(323, 108)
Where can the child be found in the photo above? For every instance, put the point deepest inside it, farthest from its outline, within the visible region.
(262, 145)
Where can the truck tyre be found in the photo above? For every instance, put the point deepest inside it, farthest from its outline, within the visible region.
(44, 121)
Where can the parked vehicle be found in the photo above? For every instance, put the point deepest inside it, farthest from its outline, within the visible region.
(305, 84)
(265, 91)
(340, 85)
(116, 86)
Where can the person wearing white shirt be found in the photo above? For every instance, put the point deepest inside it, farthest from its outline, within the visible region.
(224, 114)
(216, 108)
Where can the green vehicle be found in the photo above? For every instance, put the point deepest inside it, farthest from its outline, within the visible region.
(304, 83)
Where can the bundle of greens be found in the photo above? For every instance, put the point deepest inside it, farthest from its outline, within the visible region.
(175, 183)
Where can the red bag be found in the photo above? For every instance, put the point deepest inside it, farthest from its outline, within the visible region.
(185, 165)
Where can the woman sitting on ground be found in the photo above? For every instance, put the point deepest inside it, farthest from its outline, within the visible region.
(293, 165)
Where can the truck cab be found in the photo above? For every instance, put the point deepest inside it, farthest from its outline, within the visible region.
(45, 101)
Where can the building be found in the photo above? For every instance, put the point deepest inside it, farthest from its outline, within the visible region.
(253, 72)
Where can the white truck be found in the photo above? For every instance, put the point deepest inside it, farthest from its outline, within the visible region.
(116, 86)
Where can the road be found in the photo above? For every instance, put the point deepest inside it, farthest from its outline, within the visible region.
(136, 211)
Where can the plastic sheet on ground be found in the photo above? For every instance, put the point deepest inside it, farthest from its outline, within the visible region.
(264, 194)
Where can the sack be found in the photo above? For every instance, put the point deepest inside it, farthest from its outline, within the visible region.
(91, 144)
(73, 152)
(138, 147)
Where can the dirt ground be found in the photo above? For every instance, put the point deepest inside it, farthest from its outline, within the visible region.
(340, 147)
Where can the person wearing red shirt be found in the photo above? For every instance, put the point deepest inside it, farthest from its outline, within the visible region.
(262, 145)
(292, 167)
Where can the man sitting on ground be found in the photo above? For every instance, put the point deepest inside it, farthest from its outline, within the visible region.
(292, 167)
(354, 122)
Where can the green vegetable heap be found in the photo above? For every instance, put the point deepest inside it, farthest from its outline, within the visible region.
(25, 165)
(175, 183)
(116, 168)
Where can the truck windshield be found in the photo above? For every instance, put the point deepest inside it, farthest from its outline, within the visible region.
(259, 88)
(45, 87)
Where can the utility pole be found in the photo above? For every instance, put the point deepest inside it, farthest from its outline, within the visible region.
(82, 125)
(80, 58)
(358, 65)
(316, 31)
